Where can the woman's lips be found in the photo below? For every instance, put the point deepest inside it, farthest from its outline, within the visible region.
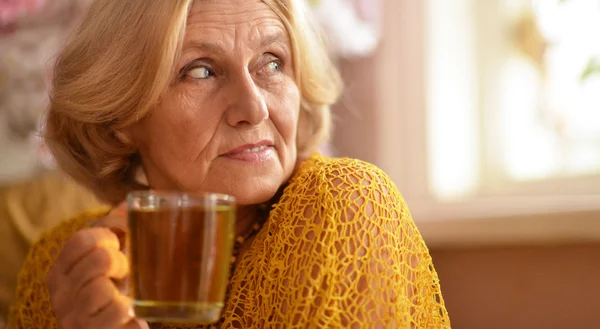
(253, 153)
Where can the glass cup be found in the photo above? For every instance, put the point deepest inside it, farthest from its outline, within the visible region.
(179, 248)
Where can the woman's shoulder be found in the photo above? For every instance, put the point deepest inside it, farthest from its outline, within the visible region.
(318, 161)
(340, 174)
(335, 187)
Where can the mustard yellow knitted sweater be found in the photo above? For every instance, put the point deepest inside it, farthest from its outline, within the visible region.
(339, 250)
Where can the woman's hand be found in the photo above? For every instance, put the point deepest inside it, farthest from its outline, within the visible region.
(81, 281)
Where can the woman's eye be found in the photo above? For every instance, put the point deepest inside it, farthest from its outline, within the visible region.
(200, 73)
(273, 67)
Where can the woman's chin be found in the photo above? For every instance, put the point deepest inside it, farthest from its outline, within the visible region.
(251, 184)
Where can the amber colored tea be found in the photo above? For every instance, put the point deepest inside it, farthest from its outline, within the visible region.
(180, 260)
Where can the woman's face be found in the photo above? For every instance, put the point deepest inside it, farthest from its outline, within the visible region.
(228, 122)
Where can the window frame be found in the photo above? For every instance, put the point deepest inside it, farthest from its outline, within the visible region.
(518, 213)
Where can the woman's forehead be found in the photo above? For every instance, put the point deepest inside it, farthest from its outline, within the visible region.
(223, 23)
(227, 12)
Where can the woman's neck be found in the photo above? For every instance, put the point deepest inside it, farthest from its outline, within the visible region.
(245, 219)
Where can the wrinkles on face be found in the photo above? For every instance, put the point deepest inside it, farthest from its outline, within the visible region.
(234, 87)
(238, 27)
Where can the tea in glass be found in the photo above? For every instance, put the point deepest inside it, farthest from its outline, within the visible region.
(179, 249)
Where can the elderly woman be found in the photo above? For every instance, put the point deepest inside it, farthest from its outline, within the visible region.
(232, 97)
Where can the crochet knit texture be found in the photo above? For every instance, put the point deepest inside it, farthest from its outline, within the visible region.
(339, 250)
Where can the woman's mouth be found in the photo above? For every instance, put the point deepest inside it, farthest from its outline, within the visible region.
(253, 153)
(255, 149)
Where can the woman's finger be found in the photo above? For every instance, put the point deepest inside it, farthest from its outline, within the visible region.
(120, 210)
(95, 296)
(58, 282)
(107, 262)
(116, 221)
(60, 300)
(59, 293)
(116, 218)
(84, 310)
(136, 324)
(82, 243)
(116, 314)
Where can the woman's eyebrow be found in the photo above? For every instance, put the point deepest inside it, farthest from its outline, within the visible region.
(208, 47)
(275, 37)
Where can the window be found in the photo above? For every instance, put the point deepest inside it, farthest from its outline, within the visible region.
(513, 98)
(439, 130)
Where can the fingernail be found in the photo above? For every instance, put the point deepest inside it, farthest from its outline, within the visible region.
(131, 312)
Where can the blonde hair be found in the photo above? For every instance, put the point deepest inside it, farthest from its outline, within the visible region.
(120, 62)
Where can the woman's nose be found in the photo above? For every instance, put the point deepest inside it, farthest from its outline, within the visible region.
(248, 105)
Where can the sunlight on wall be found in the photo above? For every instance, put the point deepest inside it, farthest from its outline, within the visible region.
(452, 115)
